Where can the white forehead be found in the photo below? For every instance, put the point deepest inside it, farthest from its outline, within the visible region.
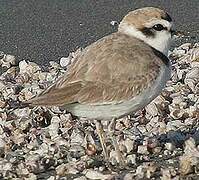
(159, 21)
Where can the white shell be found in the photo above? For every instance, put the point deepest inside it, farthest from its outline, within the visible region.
(65, 138)
(64, 62)
(91, 174)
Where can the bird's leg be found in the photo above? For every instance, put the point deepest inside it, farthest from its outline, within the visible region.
(100, 132)
(111, 131)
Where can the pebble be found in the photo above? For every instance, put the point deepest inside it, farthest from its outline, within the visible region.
(7, 60)
(131, 159)
(129, 144)
(36, 140)
(166, 175)
(2, 104)
(91, 174)
(142, 149)
(189, 158)
(81, 178)
(114, 23)
(65, 61)
(169, 146)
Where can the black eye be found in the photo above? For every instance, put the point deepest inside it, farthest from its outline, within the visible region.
(158, 27)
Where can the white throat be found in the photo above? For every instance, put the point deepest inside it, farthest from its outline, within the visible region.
(161, 41)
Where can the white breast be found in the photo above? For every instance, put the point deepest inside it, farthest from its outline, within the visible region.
(118, 110)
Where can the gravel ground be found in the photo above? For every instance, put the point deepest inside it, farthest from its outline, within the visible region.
(159, 142)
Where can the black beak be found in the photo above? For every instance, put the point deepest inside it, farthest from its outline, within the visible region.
(177, 33)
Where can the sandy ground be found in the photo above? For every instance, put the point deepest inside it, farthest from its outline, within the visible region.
(46, 30)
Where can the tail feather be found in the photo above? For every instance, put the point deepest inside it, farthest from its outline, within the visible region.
(54, 96)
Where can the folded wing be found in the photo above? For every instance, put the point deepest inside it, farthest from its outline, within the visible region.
(111, 70)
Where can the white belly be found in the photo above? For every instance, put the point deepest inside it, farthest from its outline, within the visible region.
(110, 111)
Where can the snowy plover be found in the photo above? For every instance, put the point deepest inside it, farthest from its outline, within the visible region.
(118, 74)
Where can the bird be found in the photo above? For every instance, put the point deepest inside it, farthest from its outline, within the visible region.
(118, 74)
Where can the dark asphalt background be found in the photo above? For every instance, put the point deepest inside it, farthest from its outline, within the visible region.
(44, 30)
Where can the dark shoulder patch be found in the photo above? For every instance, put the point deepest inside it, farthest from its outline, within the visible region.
(166, 17)
(164, 58)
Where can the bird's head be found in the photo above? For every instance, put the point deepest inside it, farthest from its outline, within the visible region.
(152, 25)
